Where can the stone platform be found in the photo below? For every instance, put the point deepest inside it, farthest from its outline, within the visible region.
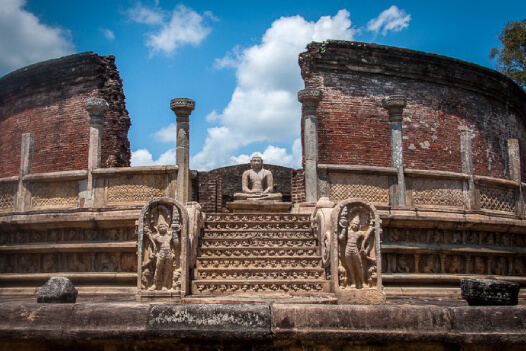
(260, 326)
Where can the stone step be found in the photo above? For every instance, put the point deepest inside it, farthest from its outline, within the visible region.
(259, 273)
(257, 261)
(258, 218)
(218, 287)
(254, 243)
(259, 252)
(256, 226)
(259, 234)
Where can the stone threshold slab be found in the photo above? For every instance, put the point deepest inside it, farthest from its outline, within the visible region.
(261, 321)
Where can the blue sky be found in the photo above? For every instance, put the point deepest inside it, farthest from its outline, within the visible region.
(236, 59)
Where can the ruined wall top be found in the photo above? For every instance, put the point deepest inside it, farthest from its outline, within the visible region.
(48, 100)
(393, 61)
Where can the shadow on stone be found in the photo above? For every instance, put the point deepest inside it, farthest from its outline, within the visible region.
(57, 290)
(489, 292)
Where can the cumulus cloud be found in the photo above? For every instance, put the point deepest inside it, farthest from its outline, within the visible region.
(182, 26)
(264, 106)
(167, 134)
(25, 40)
(392, 19)
(275, 155)
(108, 33)
(143, 157)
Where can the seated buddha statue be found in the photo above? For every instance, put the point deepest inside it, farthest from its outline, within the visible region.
(257, 183)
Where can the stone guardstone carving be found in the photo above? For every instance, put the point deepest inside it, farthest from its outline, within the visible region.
(258, 194)
(162, 250)
(355, 253)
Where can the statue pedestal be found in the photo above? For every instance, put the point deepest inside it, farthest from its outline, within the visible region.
(251, 206)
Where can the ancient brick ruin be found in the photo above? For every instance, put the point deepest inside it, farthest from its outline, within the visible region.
(413, 177)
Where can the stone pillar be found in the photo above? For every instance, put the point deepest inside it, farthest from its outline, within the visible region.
(514, 169)
(466, 158)
(394, 105)
(310, 99)
(96, 109)
(23, 197)
(182, 108)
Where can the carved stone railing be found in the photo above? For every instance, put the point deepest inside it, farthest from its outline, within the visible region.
(133, 185)
(426, 190)
(8, 190)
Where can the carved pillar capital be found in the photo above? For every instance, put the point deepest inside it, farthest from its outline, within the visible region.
(394, 104)
(309, 96)
(182, 107)
(96, 108)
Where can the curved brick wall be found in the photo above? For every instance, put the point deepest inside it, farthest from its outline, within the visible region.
(444, 96)
(47, 99)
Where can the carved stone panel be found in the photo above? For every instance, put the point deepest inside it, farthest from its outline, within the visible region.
(372, 188)
(135, 188)
(497, 198)
(162, 255)
(7, 196)
(55, 194)
(437, 192)
(355, 253)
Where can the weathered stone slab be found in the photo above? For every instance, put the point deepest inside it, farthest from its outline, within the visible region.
(360, 322)
(58, 290)
(33, 321)
(107, 321)
(489, 292)
(234, 321)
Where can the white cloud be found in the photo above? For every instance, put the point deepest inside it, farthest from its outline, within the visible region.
(25, 40)
(392, 19)
(231, 60)
(264, 106)
(143, 157)
(275, 155)
(183, 26)
(108, 33)
(167, 134)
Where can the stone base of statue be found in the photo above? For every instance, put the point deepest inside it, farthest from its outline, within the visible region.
(258, 206)
(364, 296)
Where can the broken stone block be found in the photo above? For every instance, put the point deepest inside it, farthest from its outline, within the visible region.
(57, 290)
(489, 292)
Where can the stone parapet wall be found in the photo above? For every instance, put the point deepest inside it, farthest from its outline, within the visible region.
(445, 97)
(48, 100)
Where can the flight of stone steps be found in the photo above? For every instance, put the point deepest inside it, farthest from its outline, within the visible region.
(258, 253)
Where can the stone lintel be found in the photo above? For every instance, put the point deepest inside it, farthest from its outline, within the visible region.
(182, 107)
